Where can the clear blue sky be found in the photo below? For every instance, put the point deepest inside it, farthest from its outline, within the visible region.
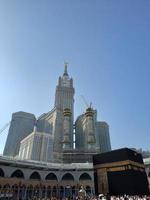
(107, 45)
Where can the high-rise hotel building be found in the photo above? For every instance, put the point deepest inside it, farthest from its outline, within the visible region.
(55, 136)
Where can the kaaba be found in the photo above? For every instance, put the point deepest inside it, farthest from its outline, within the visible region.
(120, 172)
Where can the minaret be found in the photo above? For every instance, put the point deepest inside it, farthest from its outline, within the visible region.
(66, 129)
(90, 129)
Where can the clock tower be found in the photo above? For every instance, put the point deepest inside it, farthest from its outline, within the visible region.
(64, 99)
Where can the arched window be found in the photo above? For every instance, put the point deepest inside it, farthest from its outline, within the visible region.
(17, 174)
(85, 176)
(35, 176)
(1, 173)
(68, 177)
(51, 176)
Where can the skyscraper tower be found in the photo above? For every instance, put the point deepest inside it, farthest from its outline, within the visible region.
(64, 98)
(21, 126)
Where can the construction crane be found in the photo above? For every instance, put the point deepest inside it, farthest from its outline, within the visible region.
(84, 100)
(4, 127)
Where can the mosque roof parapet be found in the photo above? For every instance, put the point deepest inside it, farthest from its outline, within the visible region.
(45, 165)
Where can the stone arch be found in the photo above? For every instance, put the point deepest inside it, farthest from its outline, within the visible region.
(17, 174)
(84, 177)
(67, 177)
(51, 176)
(35, 176)
(1, 173)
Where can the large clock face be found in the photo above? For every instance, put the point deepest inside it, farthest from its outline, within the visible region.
(66, 82)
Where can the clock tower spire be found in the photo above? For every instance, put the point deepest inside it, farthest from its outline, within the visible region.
(65, 69)
(64, 96)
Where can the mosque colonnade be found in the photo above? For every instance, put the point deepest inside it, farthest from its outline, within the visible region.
(24, 183)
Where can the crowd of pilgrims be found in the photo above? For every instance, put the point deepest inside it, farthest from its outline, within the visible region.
(99, 197)
(81, 195)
